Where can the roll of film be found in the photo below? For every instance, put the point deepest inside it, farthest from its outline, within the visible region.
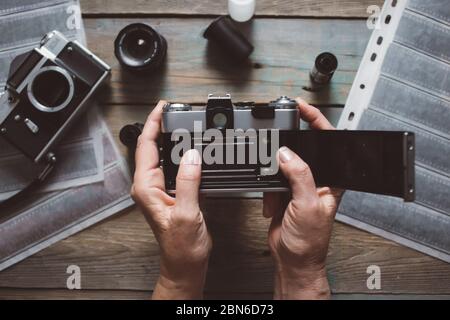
(324, 67)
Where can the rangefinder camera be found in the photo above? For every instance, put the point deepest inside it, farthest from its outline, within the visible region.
(239, 143)
(46, 91)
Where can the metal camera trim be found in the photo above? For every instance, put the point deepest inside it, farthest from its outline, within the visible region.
(39, 105)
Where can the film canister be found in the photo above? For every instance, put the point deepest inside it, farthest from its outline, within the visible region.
(129, 135)
(139, 47)
(224, 34)
(324, 67)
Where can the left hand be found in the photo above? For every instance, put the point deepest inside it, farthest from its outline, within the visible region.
(177, 223)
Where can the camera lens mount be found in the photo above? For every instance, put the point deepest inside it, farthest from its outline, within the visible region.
(50, 89)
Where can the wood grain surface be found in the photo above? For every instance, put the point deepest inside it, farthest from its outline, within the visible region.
(285, 51)
(288, 8)
(119, 257)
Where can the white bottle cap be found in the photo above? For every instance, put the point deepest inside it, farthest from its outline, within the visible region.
(241, 10)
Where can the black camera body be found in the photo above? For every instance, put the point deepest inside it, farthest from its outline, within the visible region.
(238, 143)
(47, 89)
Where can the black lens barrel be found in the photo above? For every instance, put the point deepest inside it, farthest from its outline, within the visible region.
(138, 47)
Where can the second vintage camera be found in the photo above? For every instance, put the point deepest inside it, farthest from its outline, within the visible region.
(47, 89)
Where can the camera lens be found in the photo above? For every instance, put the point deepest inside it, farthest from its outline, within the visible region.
(139, 47)
(220, 120)
(51, 89)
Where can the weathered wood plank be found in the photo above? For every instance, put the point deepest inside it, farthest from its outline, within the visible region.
(285, 52)
(63, 294)
(298, 8)
(121, 253)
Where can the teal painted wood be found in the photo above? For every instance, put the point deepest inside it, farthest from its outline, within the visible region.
(285, 50)
(292, 8)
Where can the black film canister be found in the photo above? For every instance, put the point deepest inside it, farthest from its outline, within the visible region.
(130, 133)
(139, 47)
(324, 67)
(224, 34)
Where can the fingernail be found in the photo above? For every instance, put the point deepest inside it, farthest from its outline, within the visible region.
(161, 103)
(300, 100)
(191, 157)
(286, 154)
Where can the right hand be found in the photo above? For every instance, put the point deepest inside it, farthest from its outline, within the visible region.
(301, 226)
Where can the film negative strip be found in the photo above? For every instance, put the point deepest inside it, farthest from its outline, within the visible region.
(14, 6)
(403, 83)
(29, 231)
(100, 182)
(81, 156)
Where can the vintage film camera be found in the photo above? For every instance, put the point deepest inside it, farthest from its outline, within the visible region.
(47, 89)
(378, 162)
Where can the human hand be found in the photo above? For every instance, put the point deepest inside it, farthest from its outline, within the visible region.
(177, 223)
(301, 225)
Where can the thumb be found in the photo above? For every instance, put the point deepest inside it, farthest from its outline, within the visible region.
(298, 174)
(188, 181)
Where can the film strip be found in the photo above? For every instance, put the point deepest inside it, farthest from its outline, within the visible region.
(92, 170)
(403, 84)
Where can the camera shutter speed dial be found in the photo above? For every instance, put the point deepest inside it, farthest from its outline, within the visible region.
(283, 102)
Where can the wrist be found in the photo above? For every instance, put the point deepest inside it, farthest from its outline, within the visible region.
(305, 283)
(167, 289)
(187, 284)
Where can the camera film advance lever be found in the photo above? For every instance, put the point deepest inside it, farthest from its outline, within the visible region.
(380, 162)
(47, 90)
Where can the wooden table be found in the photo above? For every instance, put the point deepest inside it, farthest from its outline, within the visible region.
(119, 257)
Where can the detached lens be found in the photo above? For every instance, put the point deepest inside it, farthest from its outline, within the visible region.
(139, 47)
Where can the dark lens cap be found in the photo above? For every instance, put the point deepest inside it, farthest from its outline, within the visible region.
(139, 47)
(224, 34)
(130, 133)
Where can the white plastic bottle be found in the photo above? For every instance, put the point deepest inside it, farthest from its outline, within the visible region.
(241, 10)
